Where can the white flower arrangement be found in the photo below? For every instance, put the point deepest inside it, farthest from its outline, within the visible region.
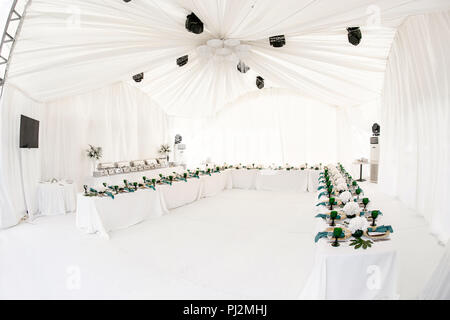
(94, 152)
(341, 187)
(341, 180)
(164, 149)
(345, 197)
(351, 209)
(358, 223)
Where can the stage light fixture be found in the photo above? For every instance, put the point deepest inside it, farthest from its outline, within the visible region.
(277, 41)
(354, 35)
(181, 61)
(194, 24)
(126, 1)
(259, 82)
(242, 67)
(138, 77)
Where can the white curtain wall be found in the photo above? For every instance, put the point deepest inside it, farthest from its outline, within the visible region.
(354, 132)
(121, 119)
(415, 145)
(272, 126)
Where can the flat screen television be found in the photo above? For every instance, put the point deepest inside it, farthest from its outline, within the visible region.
(29, 132)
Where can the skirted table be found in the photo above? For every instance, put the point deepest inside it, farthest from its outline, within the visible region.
(103, 214)
(282, 180)
(56, 198)
(347, 274)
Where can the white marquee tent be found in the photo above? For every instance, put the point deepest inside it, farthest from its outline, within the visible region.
(72, 65)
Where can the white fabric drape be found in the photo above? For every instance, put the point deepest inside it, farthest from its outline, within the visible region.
(273, 126)
(19, 168)
(415, 140)
(100, 42)
(354, 129)
(124, 121)
(438, 287)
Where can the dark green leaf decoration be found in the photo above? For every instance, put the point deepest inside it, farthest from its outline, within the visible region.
(360, 243)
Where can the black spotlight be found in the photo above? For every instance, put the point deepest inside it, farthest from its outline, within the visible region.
(126, 1)
(242, 67)
(178, 139)
(376, 129)
(259, 82)
(181, 61)
(277, 41)
(354, 35)
(139, 77)
(194, 24)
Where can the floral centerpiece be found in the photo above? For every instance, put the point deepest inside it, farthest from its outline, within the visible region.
(94, 154)
(164, 149)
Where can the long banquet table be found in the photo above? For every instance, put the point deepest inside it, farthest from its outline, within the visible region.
(103, 214)
(344, 273)
(348, 274)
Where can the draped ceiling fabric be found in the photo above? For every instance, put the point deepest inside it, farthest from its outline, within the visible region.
(71, 47)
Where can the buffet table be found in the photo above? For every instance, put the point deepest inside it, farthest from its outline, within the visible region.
(132, 176)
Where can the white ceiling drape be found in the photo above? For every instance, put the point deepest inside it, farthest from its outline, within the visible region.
(68, 47)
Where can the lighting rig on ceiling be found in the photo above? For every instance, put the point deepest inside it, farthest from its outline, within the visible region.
(232, 49)
(138, 77)
(354, 35)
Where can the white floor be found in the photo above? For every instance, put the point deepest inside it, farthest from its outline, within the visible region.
(237, 245)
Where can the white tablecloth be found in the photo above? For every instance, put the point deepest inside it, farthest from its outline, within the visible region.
(216, 183)
(313, 180)
(97, 182)
(102, 215)
(56, 198)
(349, 274)
(282, 180)
(243, 178)
(181, 193)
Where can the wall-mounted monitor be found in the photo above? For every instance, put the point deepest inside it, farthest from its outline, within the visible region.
(29, 132)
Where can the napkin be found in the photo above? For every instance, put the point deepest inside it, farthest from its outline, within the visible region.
(322, 235)
(382, 229)
(325, 216)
